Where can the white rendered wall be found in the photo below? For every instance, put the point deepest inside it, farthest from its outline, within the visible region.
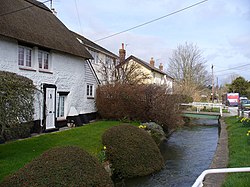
(68, 73)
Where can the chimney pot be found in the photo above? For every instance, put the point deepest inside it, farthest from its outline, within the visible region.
(161, 66)
(152, 62)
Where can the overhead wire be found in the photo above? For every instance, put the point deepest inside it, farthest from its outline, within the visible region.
(241, 67)
(18, 10)
(78, 17)
(151, 21)
(233, 68)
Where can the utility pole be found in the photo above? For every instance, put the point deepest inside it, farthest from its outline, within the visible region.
(212, 83)
(217, 89)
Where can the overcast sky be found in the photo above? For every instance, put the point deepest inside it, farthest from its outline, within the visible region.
(220, 28)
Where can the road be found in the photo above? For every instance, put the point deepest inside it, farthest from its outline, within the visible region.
(233, 111)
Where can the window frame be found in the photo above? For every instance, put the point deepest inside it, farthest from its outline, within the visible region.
(61, 107)
(23, 57)
(90, 90)
(95, 56)
(108, 62)
(41, 60)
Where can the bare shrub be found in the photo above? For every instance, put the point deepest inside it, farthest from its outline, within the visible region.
(139, 102)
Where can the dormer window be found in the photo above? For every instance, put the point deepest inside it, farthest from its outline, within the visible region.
(43, 60)
(24, 56)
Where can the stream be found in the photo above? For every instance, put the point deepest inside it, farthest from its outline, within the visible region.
(187, 153)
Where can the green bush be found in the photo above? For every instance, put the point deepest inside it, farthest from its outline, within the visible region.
(63, 166)
(18, 131)
(131, 151)
(16, 104)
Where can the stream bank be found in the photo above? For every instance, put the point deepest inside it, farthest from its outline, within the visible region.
(187, 153)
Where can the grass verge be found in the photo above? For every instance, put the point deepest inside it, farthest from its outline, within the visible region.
(239, 152)
(14, 155)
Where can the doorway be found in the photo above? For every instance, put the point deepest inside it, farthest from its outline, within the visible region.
(50, 106)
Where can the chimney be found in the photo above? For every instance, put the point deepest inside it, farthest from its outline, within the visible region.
(161, 67)
(152, 62)
(122, 53)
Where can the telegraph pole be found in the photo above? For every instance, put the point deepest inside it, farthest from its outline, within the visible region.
(217, 89)
(212, 83)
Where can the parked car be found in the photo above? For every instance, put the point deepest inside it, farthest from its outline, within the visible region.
(244, 104)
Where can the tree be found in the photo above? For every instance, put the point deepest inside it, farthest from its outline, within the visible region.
(187, 67)
(124, 73)
(239, 85)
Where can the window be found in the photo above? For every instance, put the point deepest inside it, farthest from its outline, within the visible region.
(108, 62)
(90, 90)
(43, 60)
(24, 56)
(95, 56)
(61, 106)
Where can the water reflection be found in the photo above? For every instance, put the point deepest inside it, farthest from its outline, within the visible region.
(187, 153)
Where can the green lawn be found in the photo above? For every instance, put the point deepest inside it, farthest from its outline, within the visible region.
(16, 154)
(239, 152)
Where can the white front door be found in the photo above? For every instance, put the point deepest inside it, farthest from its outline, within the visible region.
(50, 107)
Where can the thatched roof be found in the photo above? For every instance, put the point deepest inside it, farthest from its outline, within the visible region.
(146, 65)
(92, 45)
(31, 22)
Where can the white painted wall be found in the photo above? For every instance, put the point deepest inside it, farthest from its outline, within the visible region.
(98, 67)
(68, 73)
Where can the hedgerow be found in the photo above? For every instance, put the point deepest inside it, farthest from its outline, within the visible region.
(139, 102)
(62, 166)
(16, 105)
(131, 151)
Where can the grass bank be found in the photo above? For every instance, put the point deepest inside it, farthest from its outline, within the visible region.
(14, 155)
(239, 152)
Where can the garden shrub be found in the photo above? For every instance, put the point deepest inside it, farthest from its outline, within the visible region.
(156, 131)
(16, 104)
(131, 151)
(18, 131)
(62, 166)
(141, 103)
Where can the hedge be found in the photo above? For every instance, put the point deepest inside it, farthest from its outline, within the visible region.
(140, 102)
(62, 166)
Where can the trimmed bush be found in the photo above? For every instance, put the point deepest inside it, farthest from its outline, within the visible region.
(16, 105)
(131, 151)
(63, 166)
(18, 131)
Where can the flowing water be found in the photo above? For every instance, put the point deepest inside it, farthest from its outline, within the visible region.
(187, 153)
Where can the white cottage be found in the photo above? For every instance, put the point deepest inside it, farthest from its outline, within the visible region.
(34, 43)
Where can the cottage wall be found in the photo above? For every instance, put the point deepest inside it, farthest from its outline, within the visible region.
(69, 73)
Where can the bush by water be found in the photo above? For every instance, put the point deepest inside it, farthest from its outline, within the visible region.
(131, 151)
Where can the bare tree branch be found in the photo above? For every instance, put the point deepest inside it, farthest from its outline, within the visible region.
(187, 67)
